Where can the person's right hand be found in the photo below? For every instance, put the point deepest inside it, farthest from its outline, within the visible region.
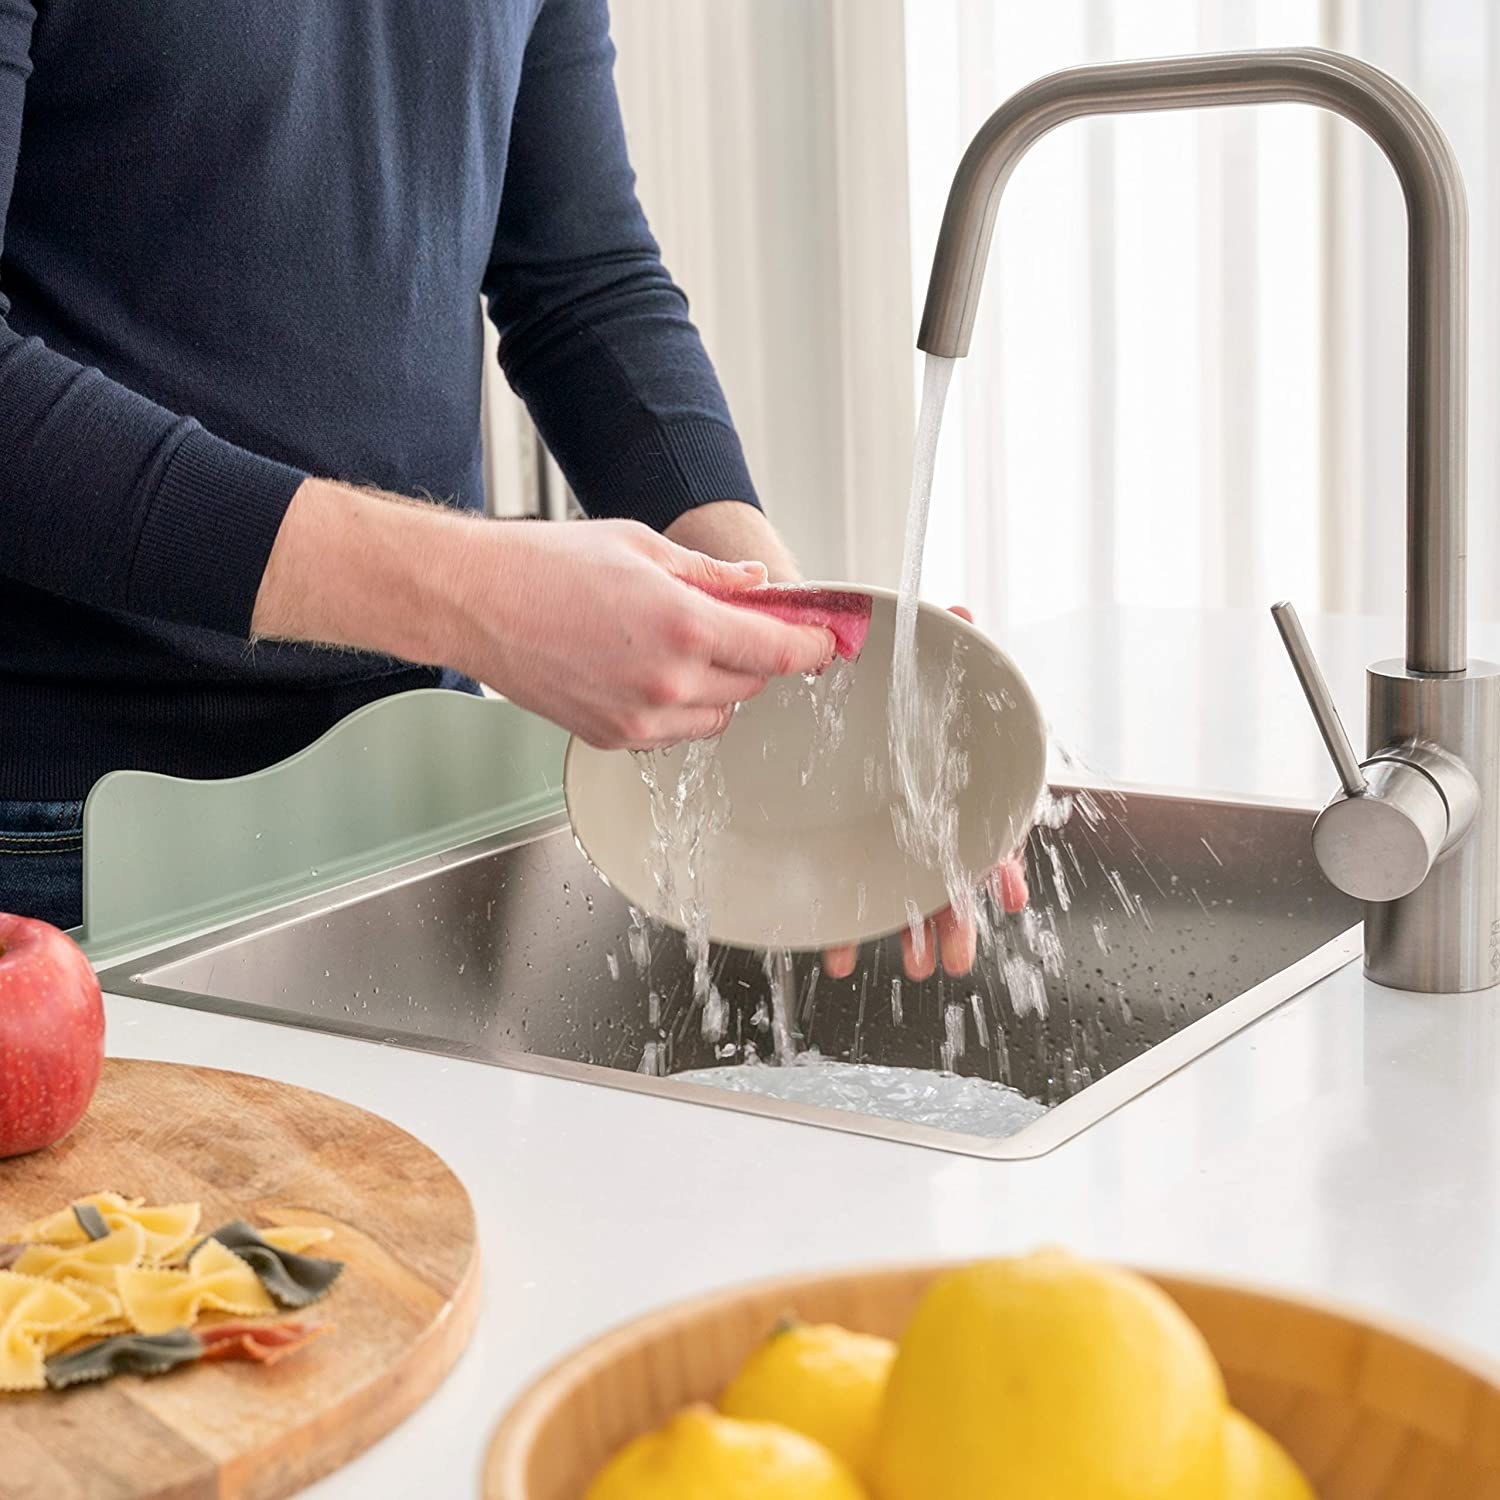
(596, 625)
(602, 627)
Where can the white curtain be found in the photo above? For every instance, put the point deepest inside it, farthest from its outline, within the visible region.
(769, 139)
(1188, 379)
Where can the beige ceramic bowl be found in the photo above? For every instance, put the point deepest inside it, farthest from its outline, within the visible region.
(803, 862)
(1371, 1411)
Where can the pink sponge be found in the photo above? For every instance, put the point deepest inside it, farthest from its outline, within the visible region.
(844, 612)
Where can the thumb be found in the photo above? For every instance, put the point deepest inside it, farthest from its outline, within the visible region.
(712, 575)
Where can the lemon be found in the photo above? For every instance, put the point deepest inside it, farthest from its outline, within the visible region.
(700, 1455)
(1257, 1467)
(1046, 1377)
(819, 1380)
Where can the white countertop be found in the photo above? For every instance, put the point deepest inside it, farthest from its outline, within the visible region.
(1348, 1144)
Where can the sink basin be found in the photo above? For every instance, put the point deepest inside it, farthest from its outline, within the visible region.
(1159, 926)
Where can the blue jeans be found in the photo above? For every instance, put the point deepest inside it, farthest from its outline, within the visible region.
(41, 861)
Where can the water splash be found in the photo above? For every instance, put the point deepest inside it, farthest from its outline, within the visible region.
(981, 1025)
(1025, 985)
(828, 696)
(715, 1014)
(781, 981)
(687, 807)
(916, 928)
(638, 939)
(953, 1035)
(925, 814)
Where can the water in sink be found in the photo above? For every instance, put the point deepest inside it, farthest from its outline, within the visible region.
(911, 1096)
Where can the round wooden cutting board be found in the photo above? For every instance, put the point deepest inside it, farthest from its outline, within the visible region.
(249, 1148)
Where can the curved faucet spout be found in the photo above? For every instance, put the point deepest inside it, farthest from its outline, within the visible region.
(1437, 330)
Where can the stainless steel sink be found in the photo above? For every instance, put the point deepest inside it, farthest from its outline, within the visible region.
(1158, 927)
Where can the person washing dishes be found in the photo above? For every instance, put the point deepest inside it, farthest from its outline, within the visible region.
(243, 254)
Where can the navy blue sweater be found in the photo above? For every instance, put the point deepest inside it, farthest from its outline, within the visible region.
(245, 242)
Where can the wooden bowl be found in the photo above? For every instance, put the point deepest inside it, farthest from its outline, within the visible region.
(1370, 1410)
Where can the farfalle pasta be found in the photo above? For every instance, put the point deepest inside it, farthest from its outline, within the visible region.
(95, 1261)
(298, 1238)
(113, 1285)
(215, 1279)
(292, 1280)
(30, 1310)
(125, 1354)
(168, 1227)
(157, 1353)
(101, 1316)
(261, 1343)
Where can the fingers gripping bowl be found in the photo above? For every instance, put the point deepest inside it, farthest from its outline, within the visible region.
(808, 855)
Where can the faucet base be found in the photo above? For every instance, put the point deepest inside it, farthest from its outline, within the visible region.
(1445, 936)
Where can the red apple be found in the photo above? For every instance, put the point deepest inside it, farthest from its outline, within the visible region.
(51, 1034)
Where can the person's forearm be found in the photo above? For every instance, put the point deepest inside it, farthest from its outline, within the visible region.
(353, 567)
(604, 627)
(736, 532)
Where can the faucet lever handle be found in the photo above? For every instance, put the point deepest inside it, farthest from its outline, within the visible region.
(1319, 699)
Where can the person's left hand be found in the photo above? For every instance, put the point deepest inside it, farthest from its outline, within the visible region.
(947, 935)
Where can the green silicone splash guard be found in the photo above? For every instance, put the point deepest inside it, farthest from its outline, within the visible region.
(166, 858)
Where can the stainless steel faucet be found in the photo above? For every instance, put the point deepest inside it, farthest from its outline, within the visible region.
(1415, 830)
